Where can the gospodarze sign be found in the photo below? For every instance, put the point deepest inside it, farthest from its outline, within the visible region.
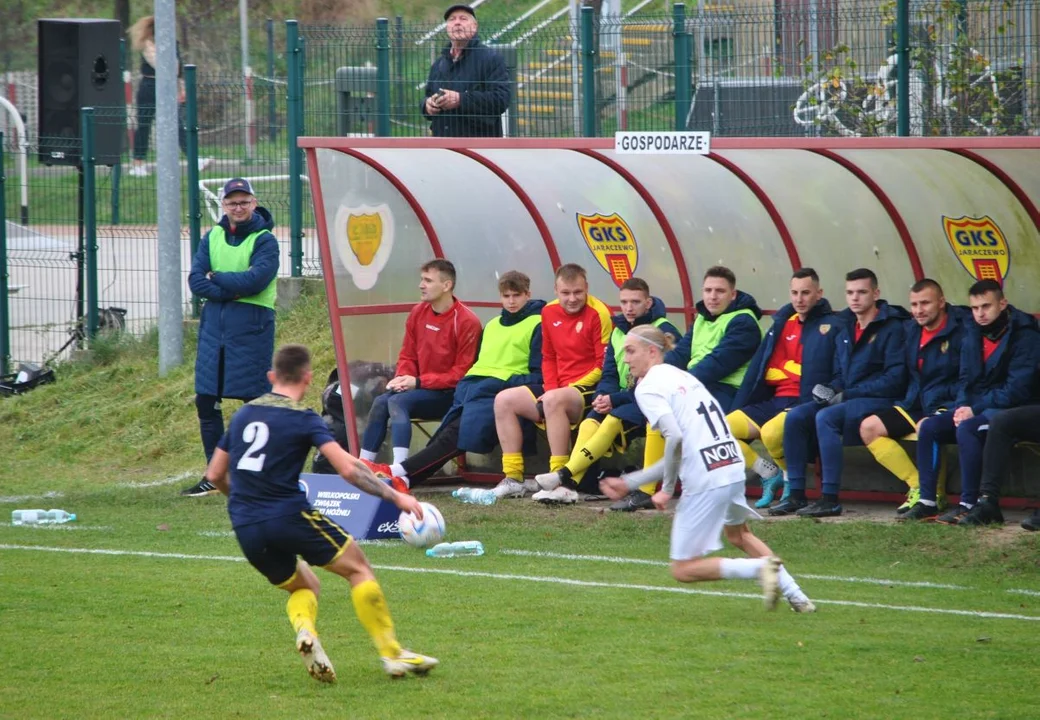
(661, 143)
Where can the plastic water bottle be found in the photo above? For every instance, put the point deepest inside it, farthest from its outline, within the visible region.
(41, 517)
(456, 549)
(476, 496)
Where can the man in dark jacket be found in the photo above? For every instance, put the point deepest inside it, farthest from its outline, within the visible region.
(615, 418)
(468, 87)
(933, 361)
(869, 374)
(235, 271)
(999, 358)
(796, 354)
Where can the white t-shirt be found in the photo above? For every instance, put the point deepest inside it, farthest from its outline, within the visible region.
(710, 455)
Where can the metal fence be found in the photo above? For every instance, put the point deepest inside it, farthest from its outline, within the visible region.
(793, 67)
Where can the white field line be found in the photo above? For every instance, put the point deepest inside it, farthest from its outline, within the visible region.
(544, 579)
(12, 499)
(661, 563)
(157, 483)
(366, 543)
(829, 578)
(23, 498)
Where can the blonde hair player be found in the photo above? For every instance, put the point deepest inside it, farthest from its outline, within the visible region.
(700, 448)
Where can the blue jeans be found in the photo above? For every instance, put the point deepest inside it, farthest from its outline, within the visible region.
(800, 441)
(400, 408)
(833, 425)
(970, 437)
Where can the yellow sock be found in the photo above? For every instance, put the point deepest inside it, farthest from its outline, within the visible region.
(893, 458)
(303, 610)
(371, 609)
(513, 466)
(593, 447)
(557, 461)
(653, 451)
(740, 425)
(773, 439)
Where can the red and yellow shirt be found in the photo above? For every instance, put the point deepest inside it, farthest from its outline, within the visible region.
(573, 345)
(784, 371)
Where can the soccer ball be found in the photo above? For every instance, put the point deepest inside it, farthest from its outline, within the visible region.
(425, 532)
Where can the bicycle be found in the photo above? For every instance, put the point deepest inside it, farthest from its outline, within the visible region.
(935, 95)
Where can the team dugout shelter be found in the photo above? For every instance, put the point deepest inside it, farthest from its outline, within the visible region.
(952, 209)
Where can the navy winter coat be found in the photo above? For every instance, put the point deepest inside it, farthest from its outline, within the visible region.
(1009, 377)
(743, 337)
(242, 331)
(818, 334)
(875, 366)
(481, 80)
(935, 385)
(610, 382)
(475, 395)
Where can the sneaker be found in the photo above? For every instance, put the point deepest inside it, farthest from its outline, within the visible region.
(913, 496)
(1032, 523)
(786, 494)
(769, 487)
(200, 489)
(548, 481)
(138, 171)
(788, 507)
(985, 512)
(314, 657)
(409, 662)
(401, 485)
(560, 496)
(820, 509)
(510, 488)
(953, 515)
(920, 512)
(802, 605)
(380, 470)
(768, 579)
(635, 500)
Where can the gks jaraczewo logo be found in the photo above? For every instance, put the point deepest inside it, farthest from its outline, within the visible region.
(363, 239)
(980, 246)
(612, 244)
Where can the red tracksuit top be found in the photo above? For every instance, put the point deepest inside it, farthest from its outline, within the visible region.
(439, 349)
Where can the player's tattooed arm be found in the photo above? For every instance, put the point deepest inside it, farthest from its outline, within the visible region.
(355, 472)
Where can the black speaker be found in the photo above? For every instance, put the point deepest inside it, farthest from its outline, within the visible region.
(78, 62)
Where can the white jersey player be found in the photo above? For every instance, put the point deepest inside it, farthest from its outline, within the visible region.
(699, 449)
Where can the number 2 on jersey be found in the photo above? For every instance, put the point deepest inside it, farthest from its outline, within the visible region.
(705, 412)
(257, 434)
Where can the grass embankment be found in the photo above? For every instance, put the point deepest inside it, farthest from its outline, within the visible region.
(112, 419)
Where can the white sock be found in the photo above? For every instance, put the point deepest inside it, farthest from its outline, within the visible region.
(369, 455)
(740, 568)
(764, 468)
(788, 586)
(400, 455)
(397, 470)
(929, 503)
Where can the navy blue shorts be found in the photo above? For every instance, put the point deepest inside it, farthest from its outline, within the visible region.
(763, 412)
(271, 546)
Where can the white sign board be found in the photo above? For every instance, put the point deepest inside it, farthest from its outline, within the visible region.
(661, 143)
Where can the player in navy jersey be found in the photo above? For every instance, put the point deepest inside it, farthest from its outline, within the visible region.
(265, 448)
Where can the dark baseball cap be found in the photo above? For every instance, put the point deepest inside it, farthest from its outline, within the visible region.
(459, 6)
(237, 185)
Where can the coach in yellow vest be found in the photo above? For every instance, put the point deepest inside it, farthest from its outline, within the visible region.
(235, 272)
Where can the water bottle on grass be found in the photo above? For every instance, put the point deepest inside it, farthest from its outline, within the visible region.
(456, 549)
(41, 517)
(476, 496)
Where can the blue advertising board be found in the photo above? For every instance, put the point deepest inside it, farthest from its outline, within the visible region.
(364, 516)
